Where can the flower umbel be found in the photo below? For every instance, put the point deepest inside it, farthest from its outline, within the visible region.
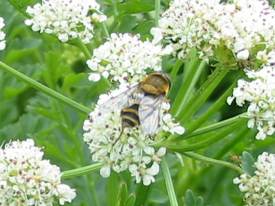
(241, 27)
(259, 189)
(66, 19)
(128, 150)
(27, 179)
(260, 94)
(124, 58)
(2, 35)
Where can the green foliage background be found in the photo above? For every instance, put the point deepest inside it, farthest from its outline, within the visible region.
(27, 113)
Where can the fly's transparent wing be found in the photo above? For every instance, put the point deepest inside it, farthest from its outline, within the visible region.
(149, 113)
(118, 100)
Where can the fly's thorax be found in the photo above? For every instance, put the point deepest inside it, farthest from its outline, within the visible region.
(156, 84)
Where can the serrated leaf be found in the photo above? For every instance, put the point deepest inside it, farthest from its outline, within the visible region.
(248, 163)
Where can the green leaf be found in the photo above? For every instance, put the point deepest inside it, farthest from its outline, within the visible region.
(127, 23)
(123, 193)
(189, 198)
(248, 163)
(192, 200)
(224, 56)
(142, 193)
(21, 5)
(113, 189)
(144, 28)
(136, 6)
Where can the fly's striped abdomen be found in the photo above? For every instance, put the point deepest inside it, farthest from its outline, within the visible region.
(129, 116)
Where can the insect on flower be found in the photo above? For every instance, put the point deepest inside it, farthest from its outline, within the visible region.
(142, 102)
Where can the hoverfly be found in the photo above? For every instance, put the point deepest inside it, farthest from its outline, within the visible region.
(141, 103)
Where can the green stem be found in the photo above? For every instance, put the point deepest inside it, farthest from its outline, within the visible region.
(157, 12)
(105, 29)
(215, 126)
(142, 192)
(202, 94)
(208, 128)
(83, 48)
(189, 70)
(169, 184)
(81, 171)
(230, 145)
(45, 89)
(213, 161)
(211, 110)
(200, 142)
(189, 89)
(176, 68)
(18, 8)
(114, 3)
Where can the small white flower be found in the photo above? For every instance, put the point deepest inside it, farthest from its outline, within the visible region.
(260, 94)
(95, 77)
(259, 189)
(243, 55)
(66, 194)
(169, 125)
(124, 58)
(25, 174)
(2, 35)
(66, 19)
(105, 171)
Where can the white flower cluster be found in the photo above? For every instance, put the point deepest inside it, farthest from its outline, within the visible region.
(128, 150)
(260, 94)
(124, 58)
(2, 35)
(68, 19)
(241, 26)
(27, 179)
(259, 189)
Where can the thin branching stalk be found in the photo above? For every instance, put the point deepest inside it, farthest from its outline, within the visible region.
(81, 171)
(189, 89)
(176, 69)
(114, 4)
(46, 90)
(202, 94)
(209, 128)
(216, 126)
(169, 184)
(157, 12)
(189, 71)
(211, 110)
(105, 29)
(199, 142)
(83, 48)
(213, 161)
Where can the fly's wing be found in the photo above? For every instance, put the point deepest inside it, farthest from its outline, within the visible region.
(118, 99)
(149, 113)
